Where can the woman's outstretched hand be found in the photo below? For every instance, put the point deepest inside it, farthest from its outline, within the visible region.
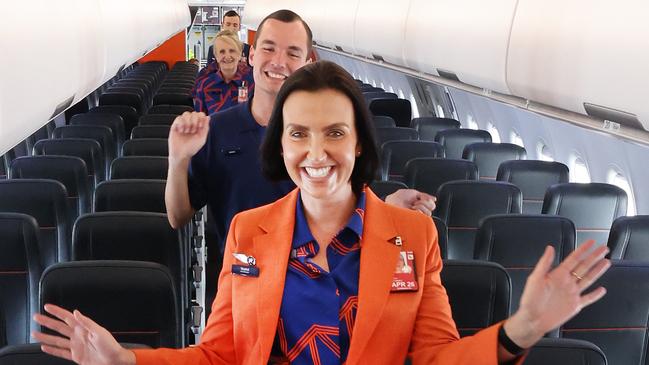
(552, 297)
(84, 342)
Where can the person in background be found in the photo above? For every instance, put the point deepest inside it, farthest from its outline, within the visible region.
(220, 89)
(231, 21)
(309, 278)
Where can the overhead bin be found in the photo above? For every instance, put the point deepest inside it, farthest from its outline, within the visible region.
(574, 53)
(464, 38)
(69, 49)
(380, 29)
(335, 28)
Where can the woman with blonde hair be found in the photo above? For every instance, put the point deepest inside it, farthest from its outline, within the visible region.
(219, 88)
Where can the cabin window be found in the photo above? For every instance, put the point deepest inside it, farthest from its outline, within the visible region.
(401, 94)
(382, 85)
(618, 179)
(543, 152)
(471, 123)
(390, 89)
(495, 135)
(440, 111)
(413, 104)
(516, 138)
(579, 170)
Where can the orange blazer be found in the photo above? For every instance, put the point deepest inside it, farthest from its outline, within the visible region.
(389, 325)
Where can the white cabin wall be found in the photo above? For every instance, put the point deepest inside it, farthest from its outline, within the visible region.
(69, 49)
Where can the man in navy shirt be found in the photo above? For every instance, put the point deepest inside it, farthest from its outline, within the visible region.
(231, 21)
(221, 152)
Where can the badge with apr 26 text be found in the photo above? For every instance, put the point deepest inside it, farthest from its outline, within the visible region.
(404, 277)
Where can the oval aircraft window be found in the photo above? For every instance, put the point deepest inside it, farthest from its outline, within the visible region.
(413, 105)
(495, 135)
(401, 94)
(516, 138)
(579, 170)
(471, 123)
(543, 152)
(616, 178)
(440, 111)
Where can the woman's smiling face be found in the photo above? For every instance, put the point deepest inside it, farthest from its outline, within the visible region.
(319, 142)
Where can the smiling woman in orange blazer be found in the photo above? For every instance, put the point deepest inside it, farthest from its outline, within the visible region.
(321, 137)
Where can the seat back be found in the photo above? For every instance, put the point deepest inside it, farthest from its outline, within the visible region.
(119, 98)
(395, 134)
(382, 121)
(385, 188)
(139, 167)
(399, 109)
(454, 140)
(428, 174)
(442, 237)
(69, 171)
(128, 113)
(463, 204)
(488, 156)
(592, 207)
(45, 200)
(157, 119)
(132, 195)
(373, 95)
(565, 351)
(173, 98)
(396, 154)
(20, 270)
(629, 238)
(29, 354)
(170, 109)
(120, 296)
(618, 322)
(150, 131)
(112, 121)
(429, 126)
(86, 149)
(533, 177)
(141, 236)
(518, 241)
(146, 147)
(102, 134)
(479, 294)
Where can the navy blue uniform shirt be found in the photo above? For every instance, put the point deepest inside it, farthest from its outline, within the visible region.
(226, 173)
(318, 309)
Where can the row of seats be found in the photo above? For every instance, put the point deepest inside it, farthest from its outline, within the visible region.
(128, 200)
(617, 324)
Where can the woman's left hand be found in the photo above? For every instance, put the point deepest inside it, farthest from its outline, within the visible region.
(552, 297)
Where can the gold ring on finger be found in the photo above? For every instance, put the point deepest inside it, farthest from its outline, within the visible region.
(573, 273)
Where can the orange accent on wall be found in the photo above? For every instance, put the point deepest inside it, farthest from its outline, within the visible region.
(171, 51)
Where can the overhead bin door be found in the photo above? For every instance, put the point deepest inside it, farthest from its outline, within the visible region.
(380, 29)
(567, 53)
(468, 38)
(334, 27)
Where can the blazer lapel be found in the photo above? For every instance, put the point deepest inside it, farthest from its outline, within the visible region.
(273, 250)
(378, 259)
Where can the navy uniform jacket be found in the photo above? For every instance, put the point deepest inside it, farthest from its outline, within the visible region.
(226, 173)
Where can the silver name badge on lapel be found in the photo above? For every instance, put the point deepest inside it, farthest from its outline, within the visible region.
(249, 269)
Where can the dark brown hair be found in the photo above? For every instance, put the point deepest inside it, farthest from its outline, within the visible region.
(231, 13)
(287, 16)
(313, 77)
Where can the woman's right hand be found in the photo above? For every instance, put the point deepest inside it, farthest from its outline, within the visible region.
(84, 342)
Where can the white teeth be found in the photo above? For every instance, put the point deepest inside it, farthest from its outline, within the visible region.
(321, 172)
(275, 76)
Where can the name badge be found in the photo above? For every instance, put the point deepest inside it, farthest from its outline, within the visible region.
(245, 270)
(404, 277)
